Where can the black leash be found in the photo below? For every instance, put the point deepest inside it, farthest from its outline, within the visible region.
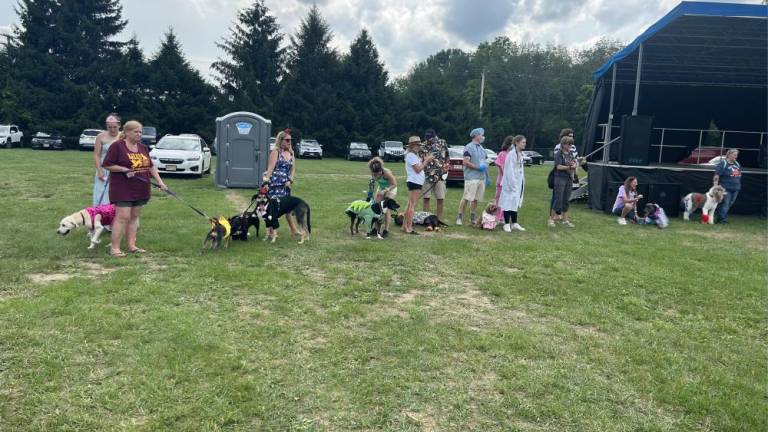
(173, 194)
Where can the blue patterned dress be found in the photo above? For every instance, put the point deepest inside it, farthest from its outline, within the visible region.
(280, 176)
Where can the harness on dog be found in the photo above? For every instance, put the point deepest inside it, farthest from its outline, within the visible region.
(223, 222)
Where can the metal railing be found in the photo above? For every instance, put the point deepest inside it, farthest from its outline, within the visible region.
(663, 132)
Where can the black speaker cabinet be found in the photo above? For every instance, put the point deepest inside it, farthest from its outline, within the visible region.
(667, 195)
(635, 146)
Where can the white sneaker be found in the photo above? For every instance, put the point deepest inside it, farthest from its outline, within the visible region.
(516, 226)
(568, 224)
(551, 223)
(507, 228)
(458, 221)
(622, 221)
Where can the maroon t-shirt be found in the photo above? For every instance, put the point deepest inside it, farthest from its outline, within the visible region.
(121, 187)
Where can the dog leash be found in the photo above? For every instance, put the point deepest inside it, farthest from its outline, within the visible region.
(173, 194)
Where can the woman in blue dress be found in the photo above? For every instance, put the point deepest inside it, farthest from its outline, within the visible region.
(281, 170)
(100, 147)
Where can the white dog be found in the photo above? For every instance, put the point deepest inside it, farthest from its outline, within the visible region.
(96, 219)
(707, 202)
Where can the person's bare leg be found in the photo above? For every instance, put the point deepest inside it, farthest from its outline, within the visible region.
(462, 206)
(122, 215)
(473, 207)
(133, 226)
(626, 210)
(440, 208)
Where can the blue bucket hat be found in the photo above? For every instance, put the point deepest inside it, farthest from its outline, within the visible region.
(477, 131)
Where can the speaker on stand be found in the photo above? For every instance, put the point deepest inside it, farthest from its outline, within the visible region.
(635, 148)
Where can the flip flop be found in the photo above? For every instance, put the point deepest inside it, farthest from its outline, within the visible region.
(118, 254)
(137, 251)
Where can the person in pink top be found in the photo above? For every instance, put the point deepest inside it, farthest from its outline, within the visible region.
(499, 162)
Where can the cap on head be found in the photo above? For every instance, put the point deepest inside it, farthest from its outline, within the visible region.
(477, 132)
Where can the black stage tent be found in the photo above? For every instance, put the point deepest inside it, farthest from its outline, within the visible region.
(701, 74)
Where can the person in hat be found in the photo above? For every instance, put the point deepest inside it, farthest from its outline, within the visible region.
(475, 173)
(414, 167)
(434, 184)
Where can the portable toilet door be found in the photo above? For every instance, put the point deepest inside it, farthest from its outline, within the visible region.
(243, 149)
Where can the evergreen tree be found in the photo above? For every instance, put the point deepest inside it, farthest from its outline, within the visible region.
(369, 99)
(179, 100)
(252, 73)
(309, 99)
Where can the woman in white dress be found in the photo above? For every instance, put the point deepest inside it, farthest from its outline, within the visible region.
(513, 185)
(100, 147)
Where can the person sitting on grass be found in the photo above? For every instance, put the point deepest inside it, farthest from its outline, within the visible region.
(626, 201)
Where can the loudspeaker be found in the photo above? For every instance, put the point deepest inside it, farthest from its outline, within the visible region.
(635, 148)
(666, 195)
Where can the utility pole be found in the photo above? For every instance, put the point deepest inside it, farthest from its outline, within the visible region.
(482, 91)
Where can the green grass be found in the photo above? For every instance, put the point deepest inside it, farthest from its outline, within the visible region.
(600, 328)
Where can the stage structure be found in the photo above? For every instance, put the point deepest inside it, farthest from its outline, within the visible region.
(692, 86)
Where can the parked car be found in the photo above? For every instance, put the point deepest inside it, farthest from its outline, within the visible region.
(492, 155)
(391, 151)
(358, 151)
(48, 141)
(535, 157)
(215, 147)
(149, 135)
(10, 136)
(310, 148)
(702, 155)
(88, 139)
(182, 154)
(456, 167)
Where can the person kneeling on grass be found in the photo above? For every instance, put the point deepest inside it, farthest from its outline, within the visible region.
(626, 201)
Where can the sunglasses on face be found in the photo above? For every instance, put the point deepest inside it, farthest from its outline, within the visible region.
(286, 140)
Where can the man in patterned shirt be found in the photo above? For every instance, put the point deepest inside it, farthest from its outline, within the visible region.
(434, 183)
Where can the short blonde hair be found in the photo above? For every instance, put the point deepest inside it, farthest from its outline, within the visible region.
(129, 126)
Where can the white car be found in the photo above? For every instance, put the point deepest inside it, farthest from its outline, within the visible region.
(88, 139)
(10, 135)
(310, 148)
(182, 154)
(491, 155)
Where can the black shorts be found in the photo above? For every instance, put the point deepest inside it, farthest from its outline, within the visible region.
(413, 186)
(139, 203)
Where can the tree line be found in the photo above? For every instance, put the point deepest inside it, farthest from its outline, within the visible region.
(63, 68)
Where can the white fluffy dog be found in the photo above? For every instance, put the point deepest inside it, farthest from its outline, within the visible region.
(96, 219)
(706, 202)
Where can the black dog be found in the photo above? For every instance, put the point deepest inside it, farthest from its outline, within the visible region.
(242, 223)
(275, 207)
(425, 219)
(371, 213)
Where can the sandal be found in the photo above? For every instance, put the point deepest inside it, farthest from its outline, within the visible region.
(137, 251)
(118, 254)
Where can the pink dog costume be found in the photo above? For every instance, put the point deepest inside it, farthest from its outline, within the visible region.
(107, 212)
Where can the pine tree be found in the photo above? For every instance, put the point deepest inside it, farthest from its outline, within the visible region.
(309, 100)
(369, 98)
(252, 73)
(179, 100)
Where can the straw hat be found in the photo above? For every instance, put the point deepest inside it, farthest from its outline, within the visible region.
(414, 140)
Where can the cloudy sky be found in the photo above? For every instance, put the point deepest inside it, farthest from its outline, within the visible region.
(405, 31)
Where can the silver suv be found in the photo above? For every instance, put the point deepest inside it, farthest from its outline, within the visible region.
(310, 148)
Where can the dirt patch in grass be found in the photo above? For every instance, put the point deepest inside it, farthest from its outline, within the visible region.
(759, 242)
(408, 297)
(84, 269)
(238, 201)
(46, 278)
(425, 420)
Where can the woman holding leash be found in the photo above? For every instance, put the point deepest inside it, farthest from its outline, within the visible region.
(129, 189)
(385, 186)
(281, 171)
(513, 184)
(414, 167)
(100, 149)
(728, 175)
(626, 201)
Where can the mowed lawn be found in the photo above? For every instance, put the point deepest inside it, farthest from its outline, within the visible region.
(599, 328)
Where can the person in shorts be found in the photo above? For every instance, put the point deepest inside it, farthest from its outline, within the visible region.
(414, 167)
(434, 184)
(475, 174)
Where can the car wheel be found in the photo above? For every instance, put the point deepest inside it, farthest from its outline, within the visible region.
(8, 143)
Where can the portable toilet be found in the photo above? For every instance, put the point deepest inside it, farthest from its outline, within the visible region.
(242, 140)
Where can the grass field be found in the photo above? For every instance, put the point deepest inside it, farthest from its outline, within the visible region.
(599, 328)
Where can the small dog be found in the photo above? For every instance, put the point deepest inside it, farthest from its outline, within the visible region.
(655, 215)
(428, 220)
(488, 220)
(93, 218)
(706, 202)
(219, 234)
(271, 209)
(242, 223)
(370, 212)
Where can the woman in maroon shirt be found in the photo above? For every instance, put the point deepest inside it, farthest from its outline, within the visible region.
(129, 188)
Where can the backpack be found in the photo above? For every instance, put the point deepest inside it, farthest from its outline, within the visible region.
(551, 179)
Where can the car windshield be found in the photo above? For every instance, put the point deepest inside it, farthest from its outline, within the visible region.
(178, 143)
(395, 144)
(359, 146)
(148, 130)
(309, 143)
(5, 129)
(91, 132)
